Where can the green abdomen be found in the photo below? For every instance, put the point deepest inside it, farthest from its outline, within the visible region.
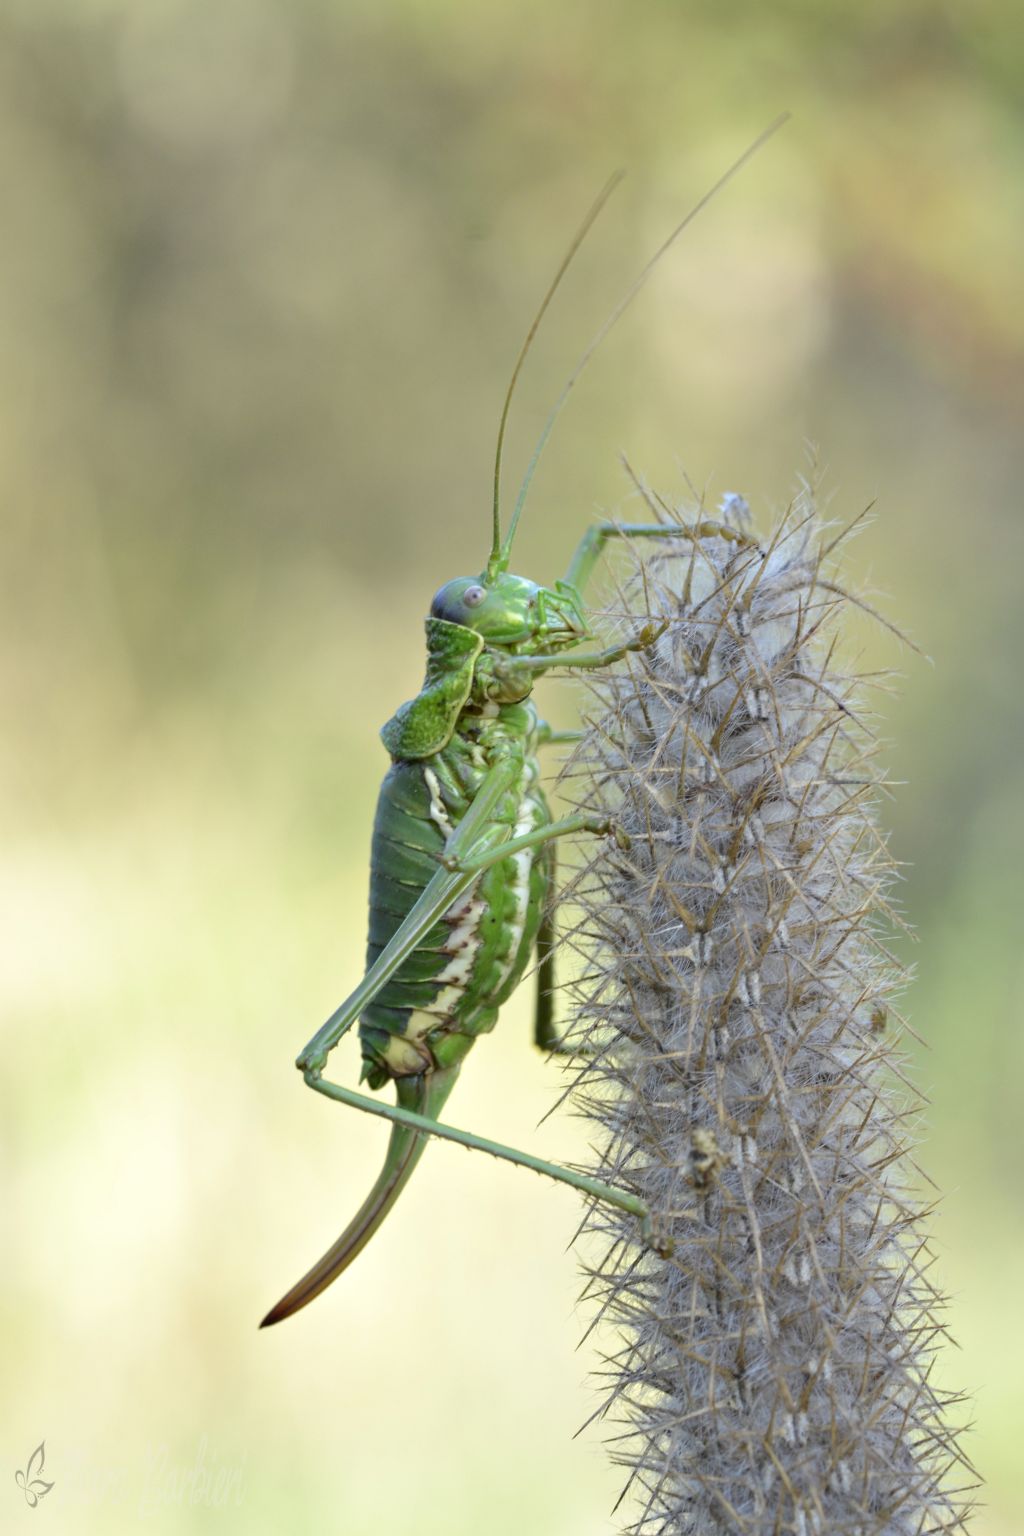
(449, 989)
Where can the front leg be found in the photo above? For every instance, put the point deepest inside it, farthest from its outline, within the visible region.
(589, 660)
(590, 547)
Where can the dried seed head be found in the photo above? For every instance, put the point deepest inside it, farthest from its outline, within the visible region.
(730, 1021)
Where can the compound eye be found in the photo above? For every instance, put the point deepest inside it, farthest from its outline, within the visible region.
(474, 596)
(437, 607)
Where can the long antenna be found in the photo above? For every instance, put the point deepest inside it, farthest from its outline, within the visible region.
(619, 310)
(494, 561)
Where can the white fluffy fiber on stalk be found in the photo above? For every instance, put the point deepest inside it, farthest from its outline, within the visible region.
(739, 1050)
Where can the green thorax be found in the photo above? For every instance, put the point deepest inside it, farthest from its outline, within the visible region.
(483, 633)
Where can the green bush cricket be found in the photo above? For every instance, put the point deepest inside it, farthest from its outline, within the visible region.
(462, 859)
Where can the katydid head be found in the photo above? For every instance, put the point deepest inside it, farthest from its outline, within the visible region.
(512, 612)
(507, 610)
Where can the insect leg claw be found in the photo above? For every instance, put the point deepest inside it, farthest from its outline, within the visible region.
(656, 1237)
(649, 635)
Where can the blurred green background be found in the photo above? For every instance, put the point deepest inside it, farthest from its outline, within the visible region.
(264, 270)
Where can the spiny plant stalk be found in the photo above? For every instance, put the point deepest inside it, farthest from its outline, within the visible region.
(737, 1046)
